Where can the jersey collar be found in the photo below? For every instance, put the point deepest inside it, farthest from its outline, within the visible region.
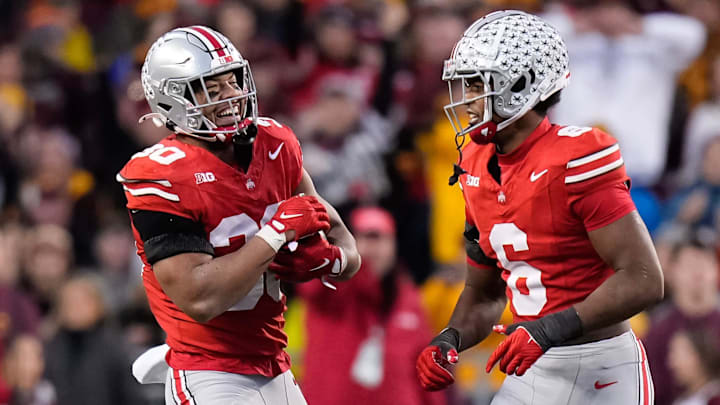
(521, 151)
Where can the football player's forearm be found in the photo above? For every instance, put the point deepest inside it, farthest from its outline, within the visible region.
(624, 294)
(638, 281)
(480, 305)
(474, 319)
(225, 280)
(340, 236)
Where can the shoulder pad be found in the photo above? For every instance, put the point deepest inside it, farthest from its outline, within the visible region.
(591, 158)
(271, 127)
(156, 178)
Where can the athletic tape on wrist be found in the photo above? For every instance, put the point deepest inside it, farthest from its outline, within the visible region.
(272, 237)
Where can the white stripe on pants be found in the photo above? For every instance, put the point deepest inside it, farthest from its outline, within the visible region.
(204, 387)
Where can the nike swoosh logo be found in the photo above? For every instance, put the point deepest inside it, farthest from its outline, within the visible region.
(274, 155)
(286, 216)
(534, 176)
(326, 261)
(599, 386)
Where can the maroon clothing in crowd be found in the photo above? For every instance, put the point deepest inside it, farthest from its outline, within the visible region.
(17, 315)
(665, 324)
(357, 350)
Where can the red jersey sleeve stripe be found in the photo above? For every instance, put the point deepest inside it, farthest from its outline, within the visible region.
(593, 157)
(138, 192)
(121, 179)
(594, 172)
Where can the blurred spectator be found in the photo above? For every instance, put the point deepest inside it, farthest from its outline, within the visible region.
(13, 97)
(48, 259)
(270, 67)
(50, 156)
(692, 276)
(23, 369)
(698, 207)
(370, 330)
(86, 360)
(344, 143)
(18, 316)
(55, 189)
(434, 32)
(446, 227)
(418, 96)
(11, 251)
(119, 266)
(694, 359)
(697, 80)
(333, 59)
(703, 126)
(624, 71)
(130, 105)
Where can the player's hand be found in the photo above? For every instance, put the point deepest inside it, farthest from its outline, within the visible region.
(314, 257)
(517, 352)
(433, 362)
(304, 215)
(296, 217)
(527, 341)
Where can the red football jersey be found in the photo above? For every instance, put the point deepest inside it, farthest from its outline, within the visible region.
(530, 223)
(191, 182)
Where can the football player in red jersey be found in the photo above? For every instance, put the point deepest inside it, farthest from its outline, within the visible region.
(550, 227)
(211, 205)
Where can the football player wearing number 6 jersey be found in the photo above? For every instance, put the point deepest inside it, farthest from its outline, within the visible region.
(551, 228)
(211, 207)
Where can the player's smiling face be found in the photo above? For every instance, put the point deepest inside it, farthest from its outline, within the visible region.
(221, 87)
(474, 87)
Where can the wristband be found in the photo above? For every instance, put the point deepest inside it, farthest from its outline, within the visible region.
(448, 335)
(558, 328)
(272, 237)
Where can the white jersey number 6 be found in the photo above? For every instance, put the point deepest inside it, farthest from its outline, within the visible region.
(526, 301)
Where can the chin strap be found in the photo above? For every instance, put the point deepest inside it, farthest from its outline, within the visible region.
(457, 170)
(246, 133)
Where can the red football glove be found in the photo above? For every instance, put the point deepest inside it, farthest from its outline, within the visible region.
(516, 353)
(433, 362)
(528, 340)
(303, 214)
(314, 257)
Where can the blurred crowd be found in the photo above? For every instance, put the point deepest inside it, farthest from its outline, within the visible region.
(359, 82)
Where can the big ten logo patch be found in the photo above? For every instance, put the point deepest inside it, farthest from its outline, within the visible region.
(473, 181)
(205, 177)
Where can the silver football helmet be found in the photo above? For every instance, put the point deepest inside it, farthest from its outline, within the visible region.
(176, 67)
(519, 59)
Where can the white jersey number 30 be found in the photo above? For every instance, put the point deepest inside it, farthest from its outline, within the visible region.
(525, 281)
(243, 225)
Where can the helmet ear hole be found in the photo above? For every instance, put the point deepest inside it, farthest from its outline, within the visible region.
(519, 85)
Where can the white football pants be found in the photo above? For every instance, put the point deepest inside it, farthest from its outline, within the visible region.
(611, 371)
(187, 387)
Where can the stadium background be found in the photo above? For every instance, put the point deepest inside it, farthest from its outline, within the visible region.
(359, 82)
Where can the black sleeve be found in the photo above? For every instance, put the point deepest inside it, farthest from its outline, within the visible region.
(165, 235)
(472, 247)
